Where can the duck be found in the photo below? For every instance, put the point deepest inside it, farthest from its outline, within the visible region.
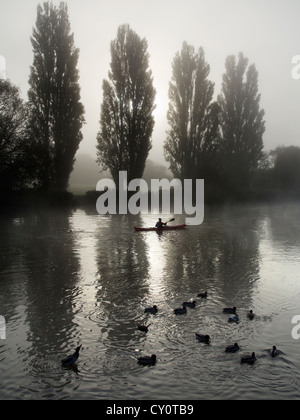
(229, 310)
(274, 351)
(143, 328)
(190, 304)
(152, 310)
(71, 360)
(250, 315)
(203, 338)
(233, 348)
(147, 360)
(234, 318)
(202, 295)
(180, 311)
(250, 359)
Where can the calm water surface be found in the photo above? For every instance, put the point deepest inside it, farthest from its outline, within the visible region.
(69, 279)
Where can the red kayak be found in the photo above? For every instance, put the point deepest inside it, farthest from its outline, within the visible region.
(152, 229)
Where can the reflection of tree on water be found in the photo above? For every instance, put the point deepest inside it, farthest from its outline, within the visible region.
(123, 273)
(283, 223)
(51, 285)
(238, 265)
(223, 253)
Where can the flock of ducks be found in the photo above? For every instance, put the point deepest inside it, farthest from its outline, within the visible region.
(204, 338)
(71, 360)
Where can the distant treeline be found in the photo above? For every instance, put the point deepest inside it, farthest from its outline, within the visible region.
(219, 141)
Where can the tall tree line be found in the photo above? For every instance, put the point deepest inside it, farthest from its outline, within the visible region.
(219, 140)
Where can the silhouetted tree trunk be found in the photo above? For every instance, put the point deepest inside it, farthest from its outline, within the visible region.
(191, 116)
(54, 97)
(127, 123)
(241, 121)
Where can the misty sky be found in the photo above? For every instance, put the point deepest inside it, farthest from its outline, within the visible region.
(266, 31)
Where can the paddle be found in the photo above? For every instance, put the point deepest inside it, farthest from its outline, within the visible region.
(172, 220)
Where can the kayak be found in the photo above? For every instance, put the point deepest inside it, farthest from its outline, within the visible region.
(153, 229)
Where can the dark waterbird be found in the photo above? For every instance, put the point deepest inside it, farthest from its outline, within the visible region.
(250, 359)
(190, 304)
(71, 360)
(144, 328)
(147, 360)
(251, 315)
(234, 318)
(152, 310)
(202, 295)
(203, 338)
(233, 348)
(229, 310)
(180, 311)
(274, 351)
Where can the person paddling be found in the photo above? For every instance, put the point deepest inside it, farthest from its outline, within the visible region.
(160, 224)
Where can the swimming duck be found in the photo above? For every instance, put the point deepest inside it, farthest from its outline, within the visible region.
(144, 328)
(180, 311)
(234, 318)
(190, 304)
(229, 310)
(152, 310)
(250, 315)
(147, 360)
(250, 359)
(202, 295)
(232, 349)
(274, 351)
(71, 360)
(203, 338)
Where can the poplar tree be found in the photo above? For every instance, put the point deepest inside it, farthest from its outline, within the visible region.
(242, 122)
(57, 115)
(126, 121)
(192, 116)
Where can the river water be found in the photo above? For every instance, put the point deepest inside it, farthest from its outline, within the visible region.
(78, 278)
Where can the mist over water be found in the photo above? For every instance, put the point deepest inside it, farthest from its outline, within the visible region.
(70, 279)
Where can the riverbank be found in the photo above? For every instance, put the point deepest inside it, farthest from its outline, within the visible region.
(28, 201)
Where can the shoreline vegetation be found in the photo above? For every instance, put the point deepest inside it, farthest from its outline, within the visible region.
(22, 202)
(219, 141)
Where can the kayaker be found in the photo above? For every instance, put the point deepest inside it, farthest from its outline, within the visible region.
(160, 224)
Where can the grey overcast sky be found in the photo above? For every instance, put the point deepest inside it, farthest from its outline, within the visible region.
(266, 31)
